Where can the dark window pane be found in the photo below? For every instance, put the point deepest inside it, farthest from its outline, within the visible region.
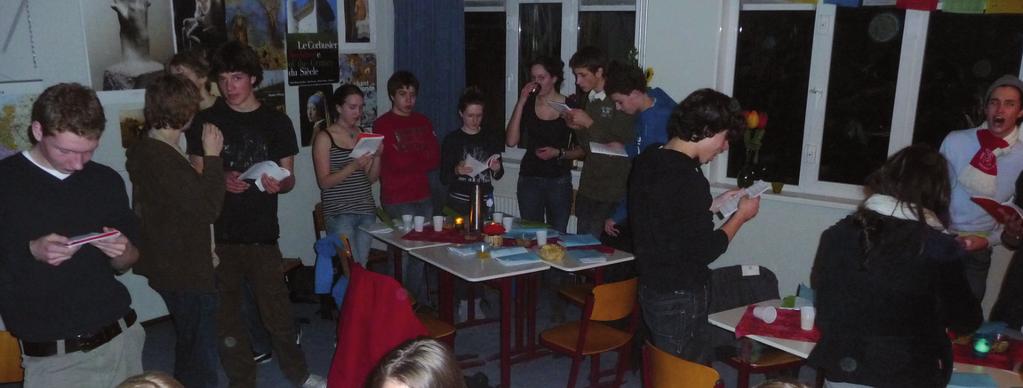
(612, 31)
(539, 35)
(484, 62)
(772, 69)
(965, 53)
(861, 92)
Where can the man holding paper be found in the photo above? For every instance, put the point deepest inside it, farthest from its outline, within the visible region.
(602, 131)
(247, 231)
(984, 161)
(74, 319)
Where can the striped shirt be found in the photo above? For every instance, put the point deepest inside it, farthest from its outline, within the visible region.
(352, 195)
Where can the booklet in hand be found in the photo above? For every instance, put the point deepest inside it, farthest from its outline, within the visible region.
(267, 167)
(91, 237)
(1001, 212)
(726, 206)
(478, 166)
(561, 107)
(600, 148)
(366, 143)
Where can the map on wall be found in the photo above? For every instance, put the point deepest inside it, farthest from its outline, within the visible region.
(15, 117)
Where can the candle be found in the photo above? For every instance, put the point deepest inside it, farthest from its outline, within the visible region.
(458, 221)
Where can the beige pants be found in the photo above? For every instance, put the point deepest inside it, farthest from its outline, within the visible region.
(105, 366)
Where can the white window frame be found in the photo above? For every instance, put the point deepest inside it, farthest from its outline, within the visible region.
(910, 71)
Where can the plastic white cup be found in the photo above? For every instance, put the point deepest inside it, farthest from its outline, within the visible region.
(418, 221)
(541, 238)
(507, 223)
(438, 223)
(766, 313)
(806, 317)
(406, 221)
(498, 217)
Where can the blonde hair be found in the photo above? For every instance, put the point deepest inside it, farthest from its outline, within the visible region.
(151, 379)
(422, 363)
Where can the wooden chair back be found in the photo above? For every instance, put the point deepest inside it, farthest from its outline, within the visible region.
(665, 370)
(613, 301)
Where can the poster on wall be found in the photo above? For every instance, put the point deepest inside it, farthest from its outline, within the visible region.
(312, 59)
(125, 125)
(133, 126)
(361, 70)
(313, 100)
(271, 91)
(15, 116)
(127, 41)
(199, 25)
(259, 24)
(312, 17)
(358, 24)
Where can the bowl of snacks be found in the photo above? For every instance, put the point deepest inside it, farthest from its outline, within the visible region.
(552, 252)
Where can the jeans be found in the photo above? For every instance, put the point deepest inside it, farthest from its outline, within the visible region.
(590, 215)
(260, 267)
(976, 265)
(348, 224)
(413, 268)
(677, 321)
(195, 326)
(546, 200)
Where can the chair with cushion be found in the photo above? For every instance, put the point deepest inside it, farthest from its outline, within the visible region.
(665, 370)
(591, 337)
(730, 288)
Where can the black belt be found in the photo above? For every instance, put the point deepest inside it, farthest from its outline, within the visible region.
(79, 343)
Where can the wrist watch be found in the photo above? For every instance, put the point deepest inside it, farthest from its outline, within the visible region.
(561, 153)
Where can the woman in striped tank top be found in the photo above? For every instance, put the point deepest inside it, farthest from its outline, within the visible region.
(345, 183)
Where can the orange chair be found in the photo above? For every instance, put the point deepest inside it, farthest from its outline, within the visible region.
(10, 359)
(665, 370)
(590, 337)
(438, 329)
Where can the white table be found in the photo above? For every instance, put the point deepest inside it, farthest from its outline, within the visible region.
(729, 319)
(394, 237)
(474, 269)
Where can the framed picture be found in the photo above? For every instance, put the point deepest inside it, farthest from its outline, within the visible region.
(121, 56)
(125, 125)
(16, 101)
(358, 27)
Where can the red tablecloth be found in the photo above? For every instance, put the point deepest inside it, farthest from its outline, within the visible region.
(785, 327)
(453, 236)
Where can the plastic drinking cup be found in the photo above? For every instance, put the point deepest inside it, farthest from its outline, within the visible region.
(406, 221)
(418, 221)
(438, 223)
(806, 317)
(498, 217)
(766, 313)
(541, 238)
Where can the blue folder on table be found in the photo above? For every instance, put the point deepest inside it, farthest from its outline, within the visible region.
(971, 380)
(519, 259)
(578, 240)
(586, 256)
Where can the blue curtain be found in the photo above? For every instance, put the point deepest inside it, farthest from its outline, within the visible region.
(429, 41)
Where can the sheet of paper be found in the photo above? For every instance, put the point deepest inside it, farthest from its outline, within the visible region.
(600, 148)
(91, 237)
(269, 168)
(367, 144)
(561, 107)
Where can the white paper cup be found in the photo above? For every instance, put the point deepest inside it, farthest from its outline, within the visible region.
(766, 313)
(438, 223)
(541, 238)
(498, 217)
(806, 317)
(418, 221)
(507, 223)
(406, 220)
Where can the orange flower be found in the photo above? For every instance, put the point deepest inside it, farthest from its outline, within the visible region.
(752, 119)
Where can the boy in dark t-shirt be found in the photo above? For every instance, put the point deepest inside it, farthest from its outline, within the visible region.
(246, 232)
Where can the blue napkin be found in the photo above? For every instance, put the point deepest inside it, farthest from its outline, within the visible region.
(578, 240)
(586, 256)
(519, 259)
(971, 380)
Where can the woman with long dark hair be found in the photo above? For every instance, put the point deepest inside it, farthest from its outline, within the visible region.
(889, 281)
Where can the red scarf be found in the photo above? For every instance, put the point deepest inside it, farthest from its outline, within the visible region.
(985, 159)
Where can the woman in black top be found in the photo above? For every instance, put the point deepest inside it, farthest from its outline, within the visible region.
(545, 182)
(471, 140)
(889, 281)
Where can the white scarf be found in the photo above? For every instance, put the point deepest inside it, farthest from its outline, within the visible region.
(887, 205)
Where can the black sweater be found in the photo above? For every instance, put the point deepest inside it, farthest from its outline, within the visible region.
(884, 325)
(672, 228)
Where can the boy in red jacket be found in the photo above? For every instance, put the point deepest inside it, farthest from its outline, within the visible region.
(411, 151)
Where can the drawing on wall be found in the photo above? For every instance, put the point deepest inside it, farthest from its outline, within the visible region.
(127, 41)
(199, 25)
(369, 112)
(316, 110)
(259, 24)
(358, 22)
(132, 125)
(15, 117)
(312, 16)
